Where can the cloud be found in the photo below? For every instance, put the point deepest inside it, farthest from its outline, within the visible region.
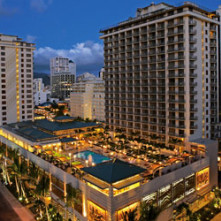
(88, 57)
(30, 38)
(40, 5)
(5, 11)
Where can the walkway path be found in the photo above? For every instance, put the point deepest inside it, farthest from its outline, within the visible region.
(217, 217)
(11, 209)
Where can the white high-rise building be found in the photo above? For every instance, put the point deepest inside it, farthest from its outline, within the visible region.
(41, 94)
(63, 74)
(16, 86)
(162, 72)
(38, 85)
(87, 98)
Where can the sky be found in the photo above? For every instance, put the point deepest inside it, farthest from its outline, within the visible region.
(70, 28)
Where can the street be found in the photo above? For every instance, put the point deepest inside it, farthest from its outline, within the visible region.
(6, 211)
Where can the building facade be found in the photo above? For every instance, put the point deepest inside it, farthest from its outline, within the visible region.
(63, 74)
(16, 86)
(87, 99)
(41, 94)
(162, 73)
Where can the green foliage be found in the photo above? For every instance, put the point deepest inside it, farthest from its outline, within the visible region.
(73, 196)
(130, 215)
(148, 212)
(19, 168)
(42, 187)
(33, 171)
(53, 213)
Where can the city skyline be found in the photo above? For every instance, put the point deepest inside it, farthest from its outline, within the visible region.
(140, 142)
(66, 36)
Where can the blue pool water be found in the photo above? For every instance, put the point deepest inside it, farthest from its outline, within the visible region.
(96, 158)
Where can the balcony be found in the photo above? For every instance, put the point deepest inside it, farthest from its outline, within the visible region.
(176, 92)
(193, 127)
(175, 24)
(175, 58)
(176, 100)
(193, 66)
(193, 118)
(176, 75)
(193, 84)
(179, 40)
(192, 32)
(193, 109)
(171, 33)
(193, 57)
(176, 109)
(193, 40)
(179, 66)
(193, 49)
(176, 118)
(176, 49)
(176, 134)
(192, 22)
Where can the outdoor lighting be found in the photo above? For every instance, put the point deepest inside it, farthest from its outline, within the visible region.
(70, 158)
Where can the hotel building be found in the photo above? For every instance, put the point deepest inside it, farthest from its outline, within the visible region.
(63, 74)
(162, 73)
(110, 188)
(16, 86)
(87, 98)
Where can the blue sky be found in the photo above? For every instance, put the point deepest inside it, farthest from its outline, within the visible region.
(69, 27)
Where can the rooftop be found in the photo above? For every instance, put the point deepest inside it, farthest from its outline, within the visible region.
(67, 140)
(46, 104)
(57, 126)
(155, 9)
(64, 118)
(113, 171)
(28, 131)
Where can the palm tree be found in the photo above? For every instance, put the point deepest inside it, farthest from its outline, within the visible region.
(130, 215)
(148, 212)
(19, 169)
(53, 213)
(43, 185)
(42, 190)
(73, 197)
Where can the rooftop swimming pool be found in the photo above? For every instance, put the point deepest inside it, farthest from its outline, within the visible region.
(94, 157)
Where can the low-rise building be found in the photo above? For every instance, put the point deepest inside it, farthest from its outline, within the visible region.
(110, 186)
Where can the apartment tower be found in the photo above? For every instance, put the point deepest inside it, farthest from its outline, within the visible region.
(87, 98)
(162, 73)
(63, 74)
(16, 86)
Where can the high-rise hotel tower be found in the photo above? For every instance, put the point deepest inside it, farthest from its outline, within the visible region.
(16, 80)
(162, 73)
